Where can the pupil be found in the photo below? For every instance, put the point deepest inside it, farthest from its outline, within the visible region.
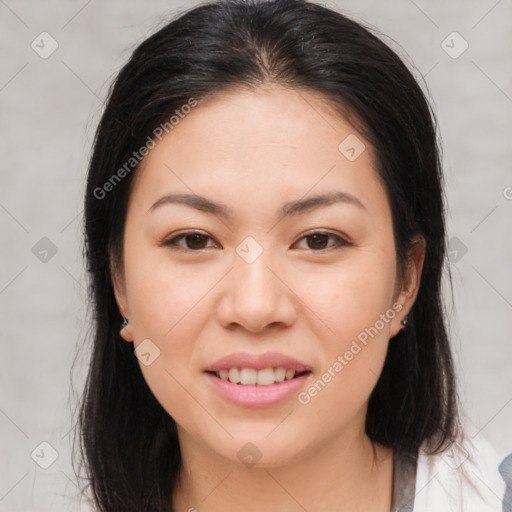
(194, 240)
(318, 239)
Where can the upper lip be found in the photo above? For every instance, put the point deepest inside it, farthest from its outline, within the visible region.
(258, 362)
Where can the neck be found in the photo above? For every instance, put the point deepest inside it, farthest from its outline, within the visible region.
(344, 474)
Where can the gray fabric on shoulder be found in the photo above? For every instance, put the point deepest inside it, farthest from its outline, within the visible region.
(505, 469)
(404, 481)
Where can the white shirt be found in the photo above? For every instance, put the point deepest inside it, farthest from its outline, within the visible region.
(464, 478)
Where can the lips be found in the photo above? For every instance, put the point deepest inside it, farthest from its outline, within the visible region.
(257, 369)
(257, 380)
(258, 362)
(255, 396)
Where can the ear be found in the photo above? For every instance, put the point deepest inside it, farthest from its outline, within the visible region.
(408, 289)
(119, 285)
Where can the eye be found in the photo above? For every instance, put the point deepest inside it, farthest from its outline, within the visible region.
(193, 241)
(319, 241)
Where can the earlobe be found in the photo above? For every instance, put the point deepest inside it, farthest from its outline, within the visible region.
(125, 330)
(119, 289)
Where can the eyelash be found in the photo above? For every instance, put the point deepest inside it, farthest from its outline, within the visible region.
(173, 242)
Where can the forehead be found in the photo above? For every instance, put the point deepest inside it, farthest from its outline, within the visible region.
(287, 119)
(260, 146)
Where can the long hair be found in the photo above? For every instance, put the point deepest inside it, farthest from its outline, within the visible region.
(128, 442)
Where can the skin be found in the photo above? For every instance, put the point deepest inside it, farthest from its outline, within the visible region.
(254, 151)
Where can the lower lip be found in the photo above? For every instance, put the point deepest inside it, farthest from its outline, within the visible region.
(257, 397)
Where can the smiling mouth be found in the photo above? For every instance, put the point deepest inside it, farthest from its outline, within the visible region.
(253, 377)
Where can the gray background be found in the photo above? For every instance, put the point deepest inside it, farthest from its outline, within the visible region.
(50, 108)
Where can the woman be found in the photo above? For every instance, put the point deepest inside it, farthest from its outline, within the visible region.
(265, 238)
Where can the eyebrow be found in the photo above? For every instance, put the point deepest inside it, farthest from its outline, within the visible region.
(290, 208)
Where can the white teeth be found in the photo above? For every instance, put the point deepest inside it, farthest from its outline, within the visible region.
(265, 377)
(234, 375)
(279, 374)
(250, 376)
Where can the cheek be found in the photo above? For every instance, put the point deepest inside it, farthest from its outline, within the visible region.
(355, 302)
(162, 297)
(351, 296)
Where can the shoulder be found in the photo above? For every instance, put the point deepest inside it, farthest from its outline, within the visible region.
(464, 477)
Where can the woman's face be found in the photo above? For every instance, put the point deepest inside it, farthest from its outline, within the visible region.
(289, 264)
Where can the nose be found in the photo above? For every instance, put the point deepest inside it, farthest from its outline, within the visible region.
(255, 297)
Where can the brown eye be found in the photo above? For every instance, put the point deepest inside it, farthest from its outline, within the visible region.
(318, 241)
(321, 241)
(193, 241)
